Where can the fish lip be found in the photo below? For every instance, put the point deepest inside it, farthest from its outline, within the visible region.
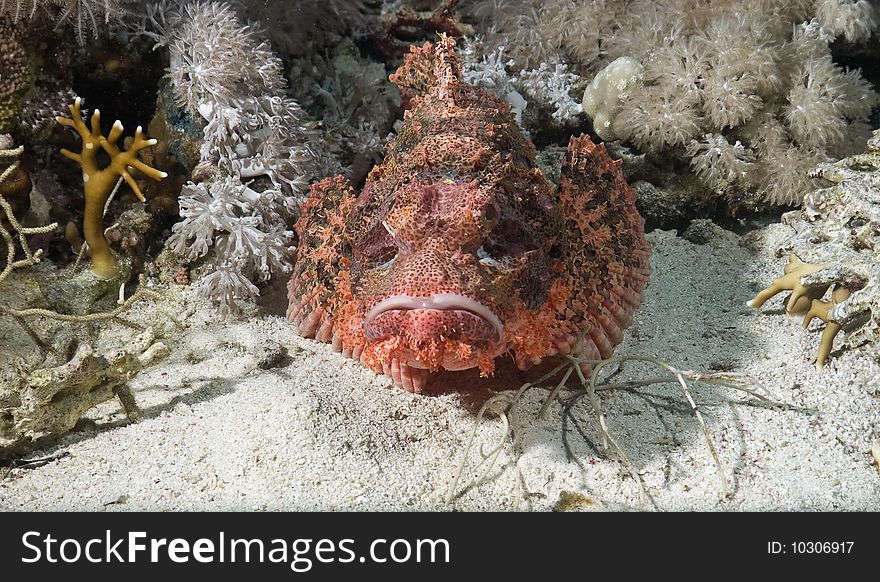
(439, 302)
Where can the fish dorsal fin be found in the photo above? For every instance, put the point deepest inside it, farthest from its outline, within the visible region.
(428, 68)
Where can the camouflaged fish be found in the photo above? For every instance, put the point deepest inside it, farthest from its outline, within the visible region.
(458, 250)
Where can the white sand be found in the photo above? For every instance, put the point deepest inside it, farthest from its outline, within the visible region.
(227, 425)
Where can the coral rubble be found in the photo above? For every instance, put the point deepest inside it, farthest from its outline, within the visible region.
(40, 396)
(49, 401)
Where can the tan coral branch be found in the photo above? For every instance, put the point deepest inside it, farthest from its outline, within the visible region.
(801, 297)
(98, 182)
(806, 301)
(821, 309)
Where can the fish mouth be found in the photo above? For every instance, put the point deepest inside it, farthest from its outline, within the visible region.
(449, 315)
(441, 304)
(444, 330)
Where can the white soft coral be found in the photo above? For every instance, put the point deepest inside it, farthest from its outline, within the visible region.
(718, 162)
(215, 60)
(256, 142)
(247, 230)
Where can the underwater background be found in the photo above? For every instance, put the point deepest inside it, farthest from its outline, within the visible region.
(155, 156)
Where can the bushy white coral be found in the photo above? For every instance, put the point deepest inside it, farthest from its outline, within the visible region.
(247, 230)
(489, 71)
(713, 73)
(228, 284)
(783, 177)
(544, 32)
(855, 20)
(216, 61)
(549, 86)
(824, 101)
(710, 67)
(255, 142)
(262, 136)
(656, 118)
(552, 86)
(718, 162)
(813, 97)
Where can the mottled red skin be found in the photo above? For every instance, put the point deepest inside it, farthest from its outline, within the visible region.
(459, 216)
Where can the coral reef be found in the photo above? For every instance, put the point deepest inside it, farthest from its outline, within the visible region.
(458, 250)
(405, 23)
(42, 110)
(255, 159)
(40, 59)
(304, 27)
(86, 17)
(556, 30)
(39, 402)
(835, 245)
(48, 400)
(752, 108)
(747, 93)
(356, 104)
(82, 292)
(549, 87)
(15, 76)
(77, 294)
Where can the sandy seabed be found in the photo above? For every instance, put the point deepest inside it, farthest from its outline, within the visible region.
(246, 415)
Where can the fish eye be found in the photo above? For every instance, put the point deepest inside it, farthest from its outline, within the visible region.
(490, 214)
(386, 256)
(378, 246)
(486, 259)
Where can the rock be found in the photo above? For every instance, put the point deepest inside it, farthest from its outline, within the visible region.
(49, 402)
(703, 231)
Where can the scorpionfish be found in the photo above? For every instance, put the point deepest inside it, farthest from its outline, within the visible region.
(458, 250)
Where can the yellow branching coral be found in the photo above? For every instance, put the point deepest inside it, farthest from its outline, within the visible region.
(98, 183)
(806, 301)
